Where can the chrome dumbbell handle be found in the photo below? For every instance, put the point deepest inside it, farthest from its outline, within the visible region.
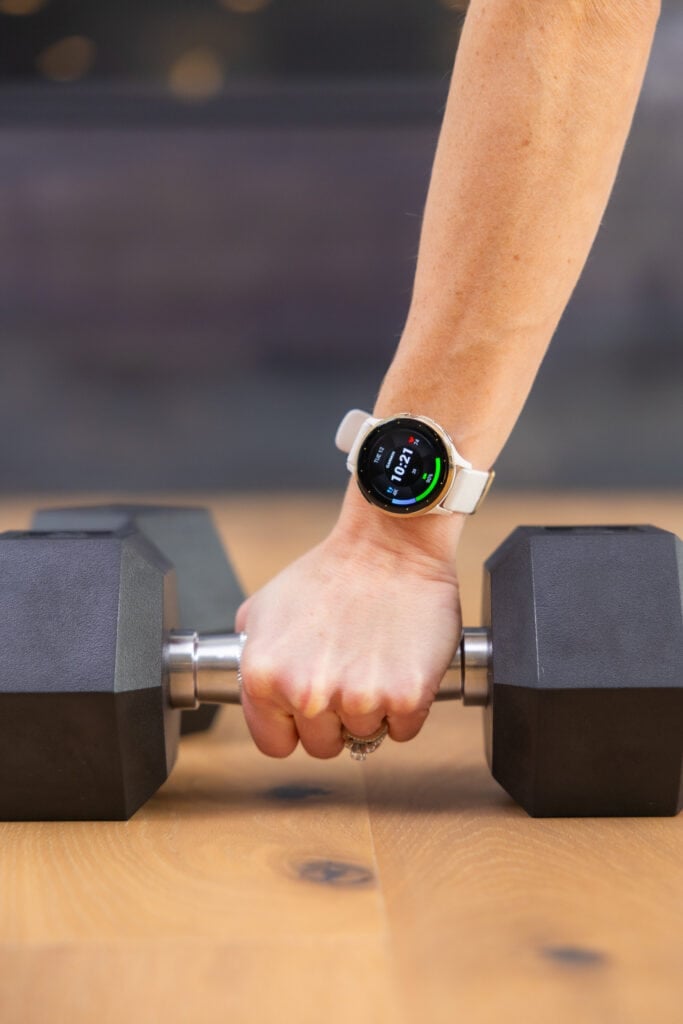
(203, 668)
(474, 658)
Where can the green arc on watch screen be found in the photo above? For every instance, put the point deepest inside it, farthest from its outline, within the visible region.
(403, 466)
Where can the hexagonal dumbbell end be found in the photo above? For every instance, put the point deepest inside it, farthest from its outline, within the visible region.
(86, 728)
(586, 711)
(209, 593)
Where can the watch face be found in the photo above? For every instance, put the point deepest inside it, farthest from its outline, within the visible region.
(403, 466)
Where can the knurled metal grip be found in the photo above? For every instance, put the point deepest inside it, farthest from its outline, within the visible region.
(203, 668)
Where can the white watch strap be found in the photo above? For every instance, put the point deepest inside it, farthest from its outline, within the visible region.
(351, 432)
(349, 428)
(468, 489)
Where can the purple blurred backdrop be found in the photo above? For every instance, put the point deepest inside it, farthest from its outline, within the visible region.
(209, 223)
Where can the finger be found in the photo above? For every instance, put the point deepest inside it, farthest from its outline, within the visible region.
(360, 710)
(406, 727)
(241, 616)
(272, 729)
(363, 725)
(320, 736)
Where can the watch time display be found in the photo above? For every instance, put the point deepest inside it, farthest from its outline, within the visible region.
(403, 466)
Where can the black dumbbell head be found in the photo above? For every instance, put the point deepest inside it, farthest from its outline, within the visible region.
(86, 730)
(586, 716)
(209, 593)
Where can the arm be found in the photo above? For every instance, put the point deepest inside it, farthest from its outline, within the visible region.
(541, 101)
(540, 105)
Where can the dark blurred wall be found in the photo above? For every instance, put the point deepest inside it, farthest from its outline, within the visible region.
(196, 284)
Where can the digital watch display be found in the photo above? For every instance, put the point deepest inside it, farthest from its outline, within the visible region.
(403, 466)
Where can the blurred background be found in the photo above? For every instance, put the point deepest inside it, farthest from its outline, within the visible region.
(209, 214)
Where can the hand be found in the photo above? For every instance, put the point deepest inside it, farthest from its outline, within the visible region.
(360, 628)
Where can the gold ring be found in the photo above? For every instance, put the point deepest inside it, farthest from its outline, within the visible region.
(360, 746)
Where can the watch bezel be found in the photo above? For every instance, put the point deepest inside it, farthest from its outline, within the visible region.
(426, 426)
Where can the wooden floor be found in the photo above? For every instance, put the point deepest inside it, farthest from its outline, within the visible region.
(406, 889)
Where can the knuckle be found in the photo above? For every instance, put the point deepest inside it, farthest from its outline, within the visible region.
(308, 698)
(409, 696)
(260, 675)
(400, 706)
(268, 679)
(356, 703)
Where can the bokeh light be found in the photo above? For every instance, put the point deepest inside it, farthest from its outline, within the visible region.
(245, 6)
(68, 59)
(19, 7)
(197, 74)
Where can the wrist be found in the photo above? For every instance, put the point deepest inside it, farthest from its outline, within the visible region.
(470, 422)
(432, 538)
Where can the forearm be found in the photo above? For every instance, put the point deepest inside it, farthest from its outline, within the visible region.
(540, 104)
(361, 629)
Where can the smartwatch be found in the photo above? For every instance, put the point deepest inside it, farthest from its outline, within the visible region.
(408, 465)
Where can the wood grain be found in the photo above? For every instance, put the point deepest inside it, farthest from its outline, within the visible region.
(407, 888)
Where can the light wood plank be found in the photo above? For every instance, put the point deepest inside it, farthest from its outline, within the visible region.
(409, 887)
(497, 915)
(171, 982)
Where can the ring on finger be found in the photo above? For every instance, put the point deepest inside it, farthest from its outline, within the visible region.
(360, 746)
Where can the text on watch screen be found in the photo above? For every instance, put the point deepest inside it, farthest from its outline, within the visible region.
(403, 467)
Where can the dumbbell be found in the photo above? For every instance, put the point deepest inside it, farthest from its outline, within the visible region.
(87, 730)
(579, 668)
(209, 593)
